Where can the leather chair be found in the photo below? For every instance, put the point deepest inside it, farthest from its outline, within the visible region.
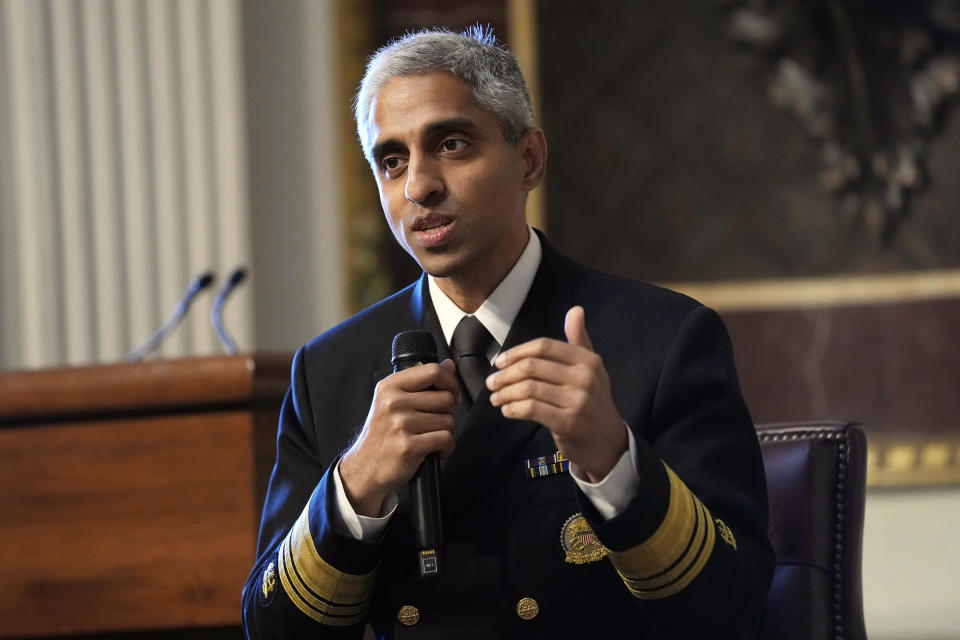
(816, 479)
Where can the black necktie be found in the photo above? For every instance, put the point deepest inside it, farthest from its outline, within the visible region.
(469, 345)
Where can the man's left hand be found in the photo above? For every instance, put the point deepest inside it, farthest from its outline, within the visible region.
(565, 387)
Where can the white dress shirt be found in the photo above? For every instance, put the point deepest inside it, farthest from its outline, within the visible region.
(610, 496)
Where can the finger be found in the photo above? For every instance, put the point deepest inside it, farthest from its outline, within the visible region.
(424, 376)
(397, 402)
(531, 369)
(418, 423)
(546, 414)
(432, 401)
(575, 328)
(449, 365)
(448, 378)
(414, 449)
(554, 395)
(544, 348)
(424, 444)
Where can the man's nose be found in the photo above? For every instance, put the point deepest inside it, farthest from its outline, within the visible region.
(424, 182)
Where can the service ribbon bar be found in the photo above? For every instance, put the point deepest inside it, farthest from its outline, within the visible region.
(543, 466)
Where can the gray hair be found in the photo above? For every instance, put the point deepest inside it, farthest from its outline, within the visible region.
(473, 56)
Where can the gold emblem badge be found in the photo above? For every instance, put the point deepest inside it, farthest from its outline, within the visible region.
(269, 582)
(528, 608)
(579, 541)
(725, 533)
(408, 615)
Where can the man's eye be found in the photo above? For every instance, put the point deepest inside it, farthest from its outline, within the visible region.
(452, 144)
(391, 162)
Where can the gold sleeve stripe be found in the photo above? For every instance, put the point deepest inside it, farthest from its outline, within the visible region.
(677, 551)
(679, 576)
(319, 590)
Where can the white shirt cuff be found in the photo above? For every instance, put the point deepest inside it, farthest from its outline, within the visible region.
(611, 495)
(361, 528)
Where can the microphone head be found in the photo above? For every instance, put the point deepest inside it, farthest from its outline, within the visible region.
(203, 281)
(413, 347)
(237, 276)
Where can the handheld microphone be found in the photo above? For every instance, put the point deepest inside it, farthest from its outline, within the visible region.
(198, 284)
(216, 315)
(412, 348)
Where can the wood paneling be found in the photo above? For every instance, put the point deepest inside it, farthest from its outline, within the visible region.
(163, 384)
(132, 516)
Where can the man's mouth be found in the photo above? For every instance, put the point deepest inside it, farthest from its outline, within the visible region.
(431, 223)
(432, 230)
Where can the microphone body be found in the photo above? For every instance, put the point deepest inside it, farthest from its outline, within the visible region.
(216, 314)
(410, 349)
(196, 285)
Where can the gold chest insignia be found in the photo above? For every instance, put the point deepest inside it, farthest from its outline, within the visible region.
(269, 582)
(579, 541)
(726, 534)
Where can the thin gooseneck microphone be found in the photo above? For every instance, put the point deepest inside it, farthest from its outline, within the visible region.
(412, 348)
(216, 315)
(197, 285)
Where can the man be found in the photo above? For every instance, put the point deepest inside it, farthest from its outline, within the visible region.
(605, 479)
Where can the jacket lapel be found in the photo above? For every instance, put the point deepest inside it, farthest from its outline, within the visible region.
(488, 442)
(430, 322)
(428, 317)
(422, 315)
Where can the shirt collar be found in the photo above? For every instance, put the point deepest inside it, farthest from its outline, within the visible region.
(500, 309)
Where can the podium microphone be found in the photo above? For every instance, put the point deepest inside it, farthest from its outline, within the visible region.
(216, 315)
(412, 348)
(197, 285)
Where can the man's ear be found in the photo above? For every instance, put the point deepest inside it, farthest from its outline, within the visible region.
(533, 149)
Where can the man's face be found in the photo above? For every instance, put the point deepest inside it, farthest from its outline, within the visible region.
(452, 188)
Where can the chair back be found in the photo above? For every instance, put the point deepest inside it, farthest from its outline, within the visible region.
(816, 481)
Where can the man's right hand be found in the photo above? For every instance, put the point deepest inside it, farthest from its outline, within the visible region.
(410, 417)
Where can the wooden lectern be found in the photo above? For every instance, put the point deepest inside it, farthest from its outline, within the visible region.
(130, 495)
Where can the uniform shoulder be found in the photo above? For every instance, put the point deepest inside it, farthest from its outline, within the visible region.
(363, 327)
(593, 285)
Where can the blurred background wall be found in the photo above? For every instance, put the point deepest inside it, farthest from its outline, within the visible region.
(793, 164)
(145, 142)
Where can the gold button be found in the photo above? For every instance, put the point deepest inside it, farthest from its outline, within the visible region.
(528, 608)
(408, 615)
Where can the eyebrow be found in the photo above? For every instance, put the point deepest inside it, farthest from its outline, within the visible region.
(434, 129)
(380, 150)
(451, 124)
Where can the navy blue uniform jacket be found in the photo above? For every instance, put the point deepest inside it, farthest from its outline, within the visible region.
(688, 558)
